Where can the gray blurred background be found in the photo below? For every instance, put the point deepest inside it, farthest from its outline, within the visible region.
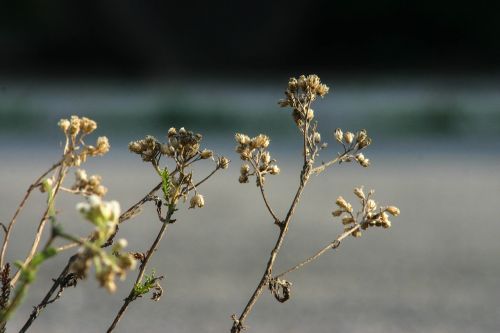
(422, 78)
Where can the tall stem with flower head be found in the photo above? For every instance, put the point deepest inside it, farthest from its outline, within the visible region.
(300, 95)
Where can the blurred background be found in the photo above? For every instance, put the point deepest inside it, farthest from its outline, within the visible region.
(421, 77)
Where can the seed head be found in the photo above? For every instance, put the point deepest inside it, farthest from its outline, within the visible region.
(223, 162)
(274, 170)
(206, 154)
(348, 137)
(63, 125)
(338, 135)
(197, 201)
(393, 210)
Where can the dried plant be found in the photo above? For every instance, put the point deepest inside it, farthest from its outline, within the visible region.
(172, 161)
(299, 96)
(177, 184)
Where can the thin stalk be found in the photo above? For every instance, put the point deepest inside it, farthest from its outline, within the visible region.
(132, 295)
(238, 324)
(333, 245)
(42, 223)
(10, 226)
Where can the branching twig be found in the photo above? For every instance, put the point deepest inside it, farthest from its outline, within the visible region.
(331, 246)
(43, 221)
(132, 295)
(58, 282)
(238, 324)
(8, 229)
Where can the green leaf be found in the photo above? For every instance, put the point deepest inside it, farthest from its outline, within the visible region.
(165, 187)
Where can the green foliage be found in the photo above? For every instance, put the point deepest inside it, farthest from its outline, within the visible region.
(28, 273)
(146, 286)
(165, 187)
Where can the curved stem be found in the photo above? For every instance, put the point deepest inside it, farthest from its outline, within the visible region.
(10, 226)
(132, 295)
(42, 223)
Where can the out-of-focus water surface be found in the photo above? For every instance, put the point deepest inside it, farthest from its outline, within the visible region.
(435, 270)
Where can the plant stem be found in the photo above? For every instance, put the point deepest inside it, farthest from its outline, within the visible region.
(132, 296)
(238, 324)
(41, 225)
(333, 245)
(59, 281)
(12, 222)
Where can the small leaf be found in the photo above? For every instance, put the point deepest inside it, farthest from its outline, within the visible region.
(165, 187)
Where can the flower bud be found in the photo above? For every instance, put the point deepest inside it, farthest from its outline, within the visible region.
(242, 139)
(371, 205)
(348, 137)
(265, 158)
(317, 137)
(274, 170)
(63, 124)
(223, 162)
(337, 212)
(206, 154)
(347, 220)
(171, 132)
(358, 191)
(197, 201)
(393, 210)
(338, 135)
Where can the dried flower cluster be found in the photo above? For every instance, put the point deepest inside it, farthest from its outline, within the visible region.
(88, 185)
(369, 216)
(353, 143)
(299, 96)
(254, 150)
(104, 216)
(75, 129)
(183, 147)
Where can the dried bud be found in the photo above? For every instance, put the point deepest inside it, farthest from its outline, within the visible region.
(317, 137)
(361, 136)
(274, 170)
(171, 132)
(87, 125)
(197, 201)
(223, 162)
(63, 125)
(365, 143)
(74, 127)
(358, 191)
(243, 179)
(371, 205)
(242, 139)
(206, 154)
(347, 220)
(365, 163)
(245, 169)
(135, 147)
(260, 141)
(182, 131)
(338, 135)
(322, 90)
(292, 84)
(360, 157)
(265, 158)
(348, 137)
(386, 224)
(313, 82)
(343, 204)
(393, 210)
(102, 145)
(337, 212)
